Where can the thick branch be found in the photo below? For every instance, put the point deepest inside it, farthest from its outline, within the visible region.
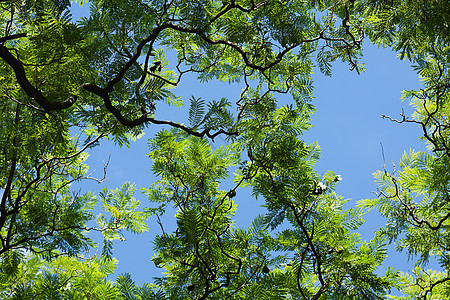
(28, 88)
(12, 37)
(12, 170)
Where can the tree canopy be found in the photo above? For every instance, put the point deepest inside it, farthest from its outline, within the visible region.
(68, 85)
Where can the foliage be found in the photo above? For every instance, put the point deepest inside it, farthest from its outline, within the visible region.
(67, 85)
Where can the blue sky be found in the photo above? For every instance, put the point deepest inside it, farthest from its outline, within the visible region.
(347, 125)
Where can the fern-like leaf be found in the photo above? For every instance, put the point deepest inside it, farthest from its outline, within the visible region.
(196, 111)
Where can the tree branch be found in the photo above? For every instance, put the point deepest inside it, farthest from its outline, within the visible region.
(28, 88)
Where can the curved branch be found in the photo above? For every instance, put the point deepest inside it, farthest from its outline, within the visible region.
(28, 88)
(103, 93)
